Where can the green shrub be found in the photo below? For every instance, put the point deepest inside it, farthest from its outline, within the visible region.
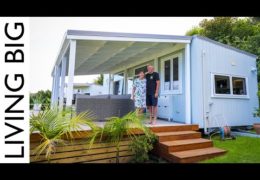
(141, 146)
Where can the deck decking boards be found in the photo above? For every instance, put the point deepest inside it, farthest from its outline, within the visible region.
(178, 143)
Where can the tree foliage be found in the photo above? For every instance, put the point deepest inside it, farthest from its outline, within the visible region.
(242, 33)
(99, 80)
(41, 97)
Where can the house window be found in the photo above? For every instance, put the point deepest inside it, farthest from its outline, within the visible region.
(175, 73)
(167, 75)
(239, 86)
(222, 84)
(175, 69)
(171, 74)
(228, 86)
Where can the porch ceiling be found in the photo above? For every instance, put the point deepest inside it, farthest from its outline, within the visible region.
(98, 56)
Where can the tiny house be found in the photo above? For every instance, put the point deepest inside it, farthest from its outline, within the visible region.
(202, 81)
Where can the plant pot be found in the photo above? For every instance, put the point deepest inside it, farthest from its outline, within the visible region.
(37, 107)
(257, 128)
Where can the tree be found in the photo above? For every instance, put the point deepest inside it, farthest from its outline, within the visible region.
(194, 31)
(99, 80)
(44, 97)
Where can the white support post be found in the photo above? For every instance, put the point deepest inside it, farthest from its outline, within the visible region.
(187, 85)
(62, 85)
(72, 58)
(109, 83)
(125, 81)
(53, 87)
(56, 86)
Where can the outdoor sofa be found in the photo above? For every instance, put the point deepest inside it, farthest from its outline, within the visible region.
(104, 106)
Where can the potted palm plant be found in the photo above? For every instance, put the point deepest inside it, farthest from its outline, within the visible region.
(118, 128)
(53, 125)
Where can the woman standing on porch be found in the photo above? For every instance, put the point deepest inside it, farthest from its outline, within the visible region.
(139, 92)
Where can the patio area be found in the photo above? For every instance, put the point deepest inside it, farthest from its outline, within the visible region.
(159, 123)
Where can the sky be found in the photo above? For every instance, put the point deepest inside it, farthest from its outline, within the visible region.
(46, 35)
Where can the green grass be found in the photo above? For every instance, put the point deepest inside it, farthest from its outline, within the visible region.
(241, 150)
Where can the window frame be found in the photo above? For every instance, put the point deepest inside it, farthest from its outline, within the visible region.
(231, 95)
(166, 58)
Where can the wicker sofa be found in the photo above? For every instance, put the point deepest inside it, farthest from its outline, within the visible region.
(104, 106)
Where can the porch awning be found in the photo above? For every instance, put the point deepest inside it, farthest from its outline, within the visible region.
(104, 52)
(88, 52)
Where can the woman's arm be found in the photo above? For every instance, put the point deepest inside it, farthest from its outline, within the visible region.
(133, 93)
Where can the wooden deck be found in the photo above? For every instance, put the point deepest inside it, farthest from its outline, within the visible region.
(178, 143)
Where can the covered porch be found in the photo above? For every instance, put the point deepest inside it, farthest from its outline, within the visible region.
(118, 54)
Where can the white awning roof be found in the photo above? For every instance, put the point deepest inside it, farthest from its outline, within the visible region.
(104, 52)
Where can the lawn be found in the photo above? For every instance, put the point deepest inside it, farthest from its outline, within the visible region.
(241, 150)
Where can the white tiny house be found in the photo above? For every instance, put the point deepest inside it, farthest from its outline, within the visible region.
(202, 81)
(223, 84)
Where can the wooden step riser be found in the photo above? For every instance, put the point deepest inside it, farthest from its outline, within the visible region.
(175, 128)
(185, 147)
(167, 156)
(199, 158)
(174, 159)
(179, 137)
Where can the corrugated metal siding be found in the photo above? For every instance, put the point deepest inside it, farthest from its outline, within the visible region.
(219, 59)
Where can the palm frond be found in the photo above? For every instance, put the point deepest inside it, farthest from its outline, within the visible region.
(53, 125)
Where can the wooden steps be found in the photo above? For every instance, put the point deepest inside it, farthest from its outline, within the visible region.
(197, 154)
(183, 144)
(187, 144)
(174, 128)
(178, 135)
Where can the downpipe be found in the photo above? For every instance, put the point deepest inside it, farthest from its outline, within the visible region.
(206, 119)
(205, 116)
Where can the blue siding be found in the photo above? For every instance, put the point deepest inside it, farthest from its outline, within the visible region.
(218, 59)
(196, 84)
(179, 99)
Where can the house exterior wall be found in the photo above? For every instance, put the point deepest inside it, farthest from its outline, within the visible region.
(96, 90)
(208, 58)
(81, 90)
